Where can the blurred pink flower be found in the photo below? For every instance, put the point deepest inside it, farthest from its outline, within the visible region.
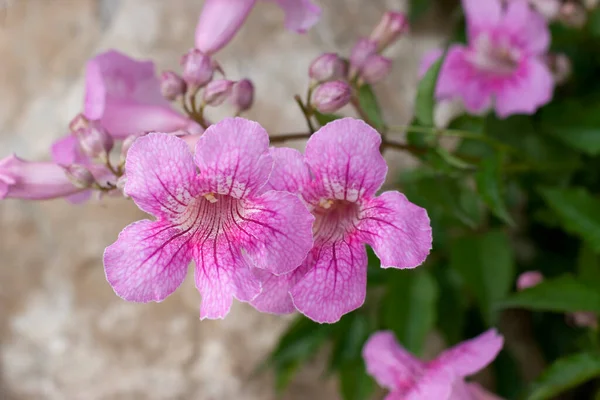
(503, 64)
(529, 279)
(212, 207)
(220, 20)
(338, 177)
(408, 378)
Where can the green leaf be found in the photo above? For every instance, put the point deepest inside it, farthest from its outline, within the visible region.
(578, 212)
(425, 102)
(418, 9)
(368, 102)
(452, 305)
(588, 266)
(562, 294)
(355, 384)
(324, 119)
(409, 307)
(297, 345)
(490, 187)
(351, 333)
(486, 264)
(574, 123)
(564, 374)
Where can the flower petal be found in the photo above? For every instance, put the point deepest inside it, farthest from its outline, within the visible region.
(148, 261)
(160, 174)
(219, 21)
(398, 230)
(336, 281)
(345, 159)
(221, 273)
(428, 59)
(233, 157)
(479, 393)
(481, 14)
(275, 297)
(276, 231)
(66, 151)
(528, 28)
(390, 364)
(300, 15)
(471, 356)
(290, 173)
(434, 385)
(528, 89)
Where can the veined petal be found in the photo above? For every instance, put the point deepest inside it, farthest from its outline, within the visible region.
(275, 230)
(471, 356)
(275, 295)
(345, 160)
(300, 15)
(390, 364)
(336, 280)
(528, 89)
(148, 261)
(221, 273)
(160, 175)
(290, 172)
(233, 157)
(398, 231)
(434, 385)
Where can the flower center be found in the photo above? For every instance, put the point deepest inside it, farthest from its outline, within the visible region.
(496, 57)
(211, 214)
(334, 219)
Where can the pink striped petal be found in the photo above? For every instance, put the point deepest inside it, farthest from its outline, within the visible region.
(275, 297)
(290, 173)
(160, 175)
(148, 261)
(398, 231)
(233, 157)
(336, 281)
(345, 160)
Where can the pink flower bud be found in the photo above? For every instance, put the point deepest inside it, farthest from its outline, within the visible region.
(33, 180)
(198, 68)
(391, 26)
(79, 122)
(376, 68)
(94, 141)
(529, 279)
(327, 67)
(242, 94)
(560, 66)
(127, 144)
(219, 21)
(572, 14)
(361, 52)
(331, 96)
(172, 85)
(216, 92)
(584, 319)
(79, 176)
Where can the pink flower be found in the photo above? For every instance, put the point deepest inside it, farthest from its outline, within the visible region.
(220, 20)
(212, 207)
(125, 95)
(408, 378)
(338, 177)
(33, 180)
(502, 66)
(529, 279)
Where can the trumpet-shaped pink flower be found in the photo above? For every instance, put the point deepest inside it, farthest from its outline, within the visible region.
(212, 207)
(338, 177)
(33, 180)
(220, 20)
(503, 64)
(125, 95)
(408, 378)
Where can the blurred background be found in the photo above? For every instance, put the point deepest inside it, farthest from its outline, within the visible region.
(64, 334)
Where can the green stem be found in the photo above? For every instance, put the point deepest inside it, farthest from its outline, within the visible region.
(306, 112)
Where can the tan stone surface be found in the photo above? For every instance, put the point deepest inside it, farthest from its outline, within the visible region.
(63, 332)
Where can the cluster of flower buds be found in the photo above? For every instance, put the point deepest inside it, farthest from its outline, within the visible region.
(332, 76)
(198, 71)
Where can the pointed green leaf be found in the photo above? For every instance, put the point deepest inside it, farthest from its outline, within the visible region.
(575, 123)
(355, 384)
(324, 119)
(588, 266)
(425, 102)
(491, 188)
(486, 264)
(564, 374)
(368, 102)
(562, 294)
(578, 211)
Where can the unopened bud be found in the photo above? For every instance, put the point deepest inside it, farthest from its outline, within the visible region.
(376, 68)
(591, 4)
(95, 141)
(391, 26)
(327, 67)
(172, 85)
(79, 122)
(361, 52)
(79, 176)
(529, 279)
(584, 319)
(573, 14)
(198, 68)
(216, 92)
(331, 96)
(560, 66)
(126, 145)
(242, 95)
